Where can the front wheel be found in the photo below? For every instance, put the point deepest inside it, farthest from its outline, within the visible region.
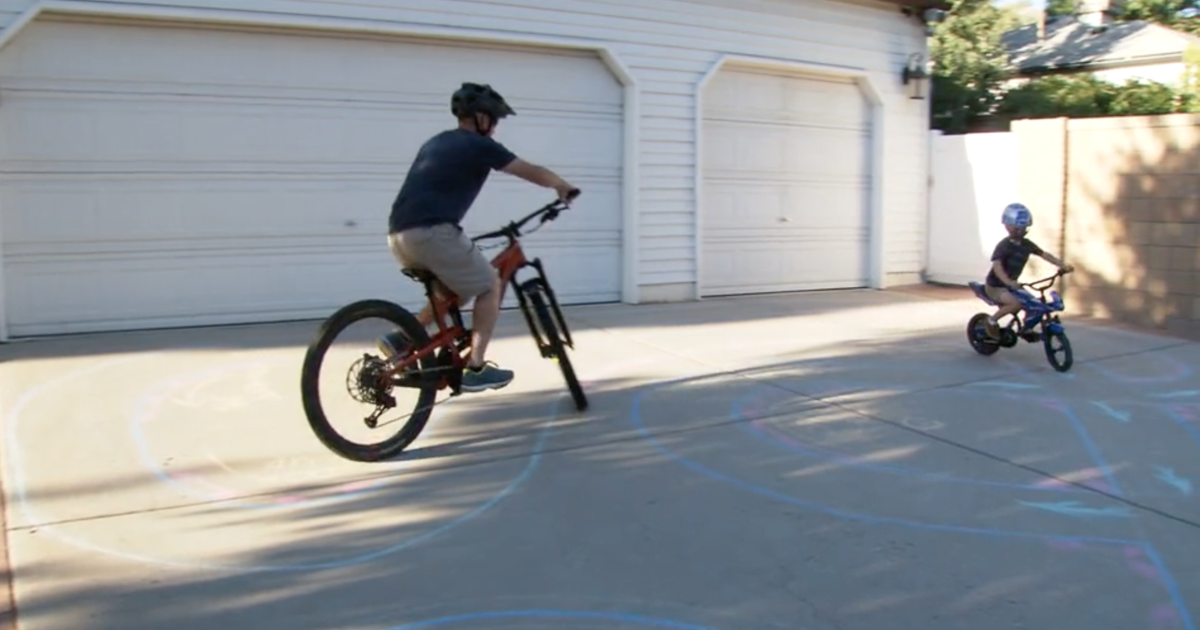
(366, 382)
(1049, 339)
(558, 350)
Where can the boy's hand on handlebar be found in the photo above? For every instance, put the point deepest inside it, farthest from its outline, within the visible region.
(1067, 268)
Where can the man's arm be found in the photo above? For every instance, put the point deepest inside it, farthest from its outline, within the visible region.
(539, 175)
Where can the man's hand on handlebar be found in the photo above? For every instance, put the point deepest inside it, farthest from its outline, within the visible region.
(566, 192)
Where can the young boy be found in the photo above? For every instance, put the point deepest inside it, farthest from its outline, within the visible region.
(1008, 261)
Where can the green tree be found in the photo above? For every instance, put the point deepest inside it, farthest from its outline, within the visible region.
(1084, 96)
(1181, 15)
(969, 63)
(1189, 90)
(1078, 96)
(1191, 70)
(1144, 98)
(1060, 7)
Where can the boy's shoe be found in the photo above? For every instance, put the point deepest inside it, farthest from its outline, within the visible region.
(392, 344)
(490, 376)
(992, 328)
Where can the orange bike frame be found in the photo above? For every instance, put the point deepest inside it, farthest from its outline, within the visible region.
(444, 304)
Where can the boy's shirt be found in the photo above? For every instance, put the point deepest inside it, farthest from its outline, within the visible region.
(1013, 255)
(445, 178)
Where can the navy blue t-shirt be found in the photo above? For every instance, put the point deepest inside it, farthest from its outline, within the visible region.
(1012, 256)
(445, 178)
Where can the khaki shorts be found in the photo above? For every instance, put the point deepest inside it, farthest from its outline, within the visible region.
(449, 253)
(997, 293)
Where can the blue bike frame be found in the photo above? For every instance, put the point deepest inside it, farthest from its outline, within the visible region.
(1036, 308)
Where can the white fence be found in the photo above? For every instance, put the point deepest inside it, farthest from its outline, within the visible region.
(974, 177)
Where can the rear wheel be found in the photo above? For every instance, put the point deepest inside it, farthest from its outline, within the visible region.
(553, 338)
(1056, 345)
(978, 337)
(365, 382)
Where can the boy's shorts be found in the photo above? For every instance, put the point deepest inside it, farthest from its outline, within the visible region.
(449, 253)
(997, 293)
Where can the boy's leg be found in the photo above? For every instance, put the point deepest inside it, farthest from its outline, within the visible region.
(1009, 304)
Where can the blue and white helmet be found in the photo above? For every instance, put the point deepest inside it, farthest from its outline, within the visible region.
(1017, 215)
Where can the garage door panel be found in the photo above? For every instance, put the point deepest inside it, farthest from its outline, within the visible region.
(57, 298)
(766, 266)
(306, 282)
(793, 206)
(786, 183)
(738, 204)
(810, 153)
(124, 134)
(191, 55)
(94, 212)
(91, 211)
(748, 96)
(143, 183)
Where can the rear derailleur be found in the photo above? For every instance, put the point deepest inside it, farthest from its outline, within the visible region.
(368, 383)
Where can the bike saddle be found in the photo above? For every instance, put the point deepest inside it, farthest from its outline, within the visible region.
(420, 275)
(978, 290)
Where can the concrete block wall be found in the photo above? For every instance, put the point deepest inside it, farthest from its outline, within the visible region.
(1129, 215)
(1041, 184)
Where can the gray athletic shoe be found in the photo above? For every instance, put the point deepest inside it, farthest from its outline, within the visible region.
(489, 377)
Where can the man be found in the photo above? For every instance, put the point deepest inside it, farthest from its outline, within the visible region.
(424, 227)
(1008, 261)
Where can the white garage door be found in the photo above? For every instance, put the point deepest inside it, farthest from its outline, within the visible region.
(164, 175)
(786, 184)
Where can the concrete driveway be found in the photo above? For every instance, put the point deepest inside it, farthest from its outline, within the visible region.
(836, 460)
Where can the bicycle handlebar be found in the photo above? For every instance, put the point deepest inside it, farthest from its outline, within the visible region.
(1049, 279)
(548, 212)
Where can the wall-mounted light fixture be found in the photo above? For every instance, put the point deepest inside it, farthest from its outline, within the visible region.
(916, 77)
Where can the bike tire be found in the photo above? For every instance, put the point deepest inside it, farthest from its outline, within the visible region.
(545, 319)
(311, 371)
(976, 336)
(1068, 355)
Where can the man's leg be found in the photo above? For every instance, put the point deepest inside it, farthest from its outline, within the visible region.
(425, 317)
(407, 249)
(483, 325)
(463, 270)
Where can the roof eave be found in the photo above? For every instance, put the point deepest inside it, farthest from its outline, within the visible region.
(1125, 62)
(920, 5)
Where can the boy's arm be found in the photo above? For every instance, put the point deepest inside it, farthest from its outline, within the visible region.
(998, 255)
(1002, 274)
(1055, 260)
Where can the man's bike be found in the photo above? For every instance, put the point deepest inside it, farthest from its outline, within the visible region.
(1041, 323)
(429, 365)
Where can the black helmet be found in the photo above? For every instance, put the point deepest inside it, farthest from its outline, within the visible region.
(474, 97)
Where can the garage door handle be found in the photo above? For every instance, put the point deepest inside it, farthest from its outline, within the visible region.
(784, 219)
(351, 223)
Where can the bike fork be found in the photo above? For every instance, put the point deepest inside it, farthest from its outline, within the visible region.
(559, 320)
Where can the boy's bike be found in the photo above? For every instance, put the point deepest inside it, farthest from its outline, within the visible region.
(1040, 323)
(431, 365)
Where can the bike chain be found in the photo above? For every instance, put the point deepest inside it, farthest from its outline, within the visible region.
(420, 409)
